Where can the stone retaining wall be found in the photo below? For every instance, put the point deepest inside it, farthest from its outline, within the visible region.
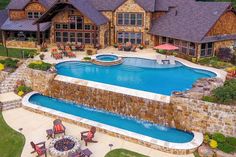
(203, 116)
(38, 80)
(154, 111)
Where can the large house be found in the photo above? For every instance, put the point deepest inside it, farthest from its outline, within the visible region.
(199, 29)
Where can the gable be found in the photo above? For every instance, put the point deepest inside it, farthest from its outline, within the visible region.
(226, 24)
(35, 7)
(130, 6)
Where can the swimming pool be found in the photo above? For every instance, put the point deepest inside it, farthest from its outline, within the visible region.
(135, 73)
(127, 123)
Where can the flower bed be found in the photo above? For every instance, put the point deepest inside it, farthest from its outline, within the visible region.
(8, 64)
(40, 65)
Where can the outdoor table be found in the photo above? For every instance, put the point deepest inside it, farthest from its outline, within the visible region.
(49, 133)
(87, 152)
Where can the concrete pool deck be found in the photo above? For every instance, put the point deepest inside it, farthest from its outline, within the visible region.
(34, 127)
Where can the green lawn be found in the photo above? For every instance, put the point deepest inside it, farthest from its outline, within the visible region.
(15, 53)
(3, 3)
(11, 142)
(123, 153)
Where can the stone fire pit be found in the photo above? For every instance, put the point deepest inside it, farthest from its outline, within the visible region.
(63, 146)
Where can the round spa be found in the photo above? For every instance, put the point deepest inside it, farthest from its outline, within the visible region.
(107, 60)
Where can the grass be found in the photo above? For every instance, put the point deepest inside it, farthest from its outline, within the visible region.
(3, 3)
(15, 53)
(123, 153)
(11, 142)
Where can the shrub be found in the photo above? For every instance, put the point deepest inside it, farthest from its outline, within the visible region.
(231, 141)
(10, 63)
(213, 144)
(209, 99)
(20, 93)
(220, 138)
(39, 65)
(30, 54)
(24, 89)
(87, 58)
(162, 51)
(206, 138)
(115, 45)
(227, 93)
(227, 148)
(225, 54)
(1, 67)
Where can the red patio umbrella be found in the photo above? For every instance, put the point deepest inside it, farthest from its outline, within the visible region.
(167, 47)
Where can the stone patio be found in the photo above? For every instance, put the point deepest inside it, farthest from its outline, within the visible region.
(35, 126)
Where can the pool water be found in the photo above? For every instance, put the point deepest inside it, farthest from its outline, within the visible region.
(107, 58)
(136, 73)
(115, 120)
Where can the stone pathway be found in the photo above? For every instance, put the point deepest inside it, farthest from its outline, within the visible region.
(9, 83)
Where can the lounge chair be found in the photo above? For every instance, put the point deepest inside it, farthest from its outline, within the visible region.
(73, 48)
(58, 127)
(88, 136)
(39, 148)
(70, 54)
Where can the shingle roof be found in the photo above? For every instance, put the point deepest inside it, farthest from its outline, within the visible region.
(89, 11)
(189, 20)
(20, 4)
(23, 25)
(3, 16)
(106, 5)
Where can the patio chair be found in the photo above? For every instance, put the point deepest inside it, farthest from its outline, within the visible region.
(82, 47)
(56, 55)
(58, 127)
(73, 48)
(70, 54)
(133, 49)
(39, 148)
(88, 136)
(128, 46)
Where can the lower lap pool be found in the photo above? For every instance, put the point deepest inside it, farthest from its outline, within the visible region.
(135, 73)
(127, 123)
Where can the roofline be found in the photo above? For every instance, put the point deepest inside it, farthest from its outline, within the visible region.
(34, 2)
(227, 9)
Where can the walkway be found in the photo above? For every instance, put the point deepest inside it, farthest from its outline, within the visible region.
(34, 126)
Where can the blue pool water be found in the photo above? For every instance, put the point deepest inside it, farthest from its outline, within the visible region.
(115, 120)
(135, 73)
(106, 58)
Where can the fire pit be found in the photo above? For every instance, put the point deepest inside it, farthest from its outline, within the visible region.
(63, 146)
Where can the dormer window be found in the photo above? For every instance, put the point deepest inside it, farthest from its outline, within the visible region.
(34, 15)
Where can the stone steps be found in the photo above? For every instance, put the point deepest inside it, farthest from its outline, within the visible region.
(9, 101)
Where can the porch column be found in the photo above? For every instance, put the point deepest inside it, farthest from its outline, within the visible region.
(43, 36)
(38, 34)
(4, 42)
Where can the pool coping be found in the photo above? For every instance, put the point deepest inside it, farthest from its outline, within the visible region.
(192, 145)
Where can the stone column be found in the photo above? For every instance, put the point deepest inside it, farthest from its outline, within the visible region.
(38, 34)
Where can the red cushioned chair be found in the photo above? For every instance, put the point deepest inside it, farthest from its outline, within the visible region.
(58, 127)
(88, 136)
(39, 148)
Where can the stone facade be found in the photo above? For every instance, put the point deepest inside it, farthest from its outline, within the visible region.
(38, 80)
(130, 6)
(223, 44)
(197, 115)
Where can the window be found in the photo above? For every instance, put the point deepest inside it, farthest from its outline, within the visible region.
(164, 40)
(80, 37)
(120, 19)
(72, 37)
(206, 49)
(58, 36)
(79, 22)
(72, 25)
(191, 49)
(65, 26)
(58, 26)
(87, 38)
(185, 47)
(139, 19)
(30, 15)
(65, 36)
(87, 27)
(134, 38)
(33, 15)
(133, 19)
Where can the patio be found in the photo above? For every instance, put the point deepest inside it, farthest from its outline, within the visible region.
(35, 125)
